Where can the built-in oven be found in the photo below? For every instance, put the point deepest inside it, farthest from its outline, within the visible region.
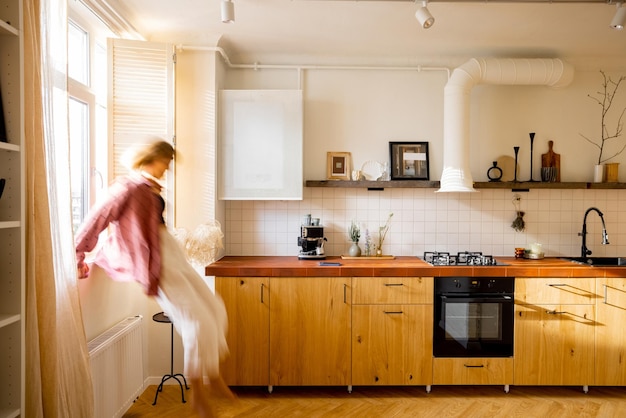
(473, 317)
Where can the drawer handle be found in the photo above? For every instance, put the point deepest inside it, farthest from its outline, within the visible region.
(556, 312)
(557, 284)
(393, 312)
(394, 284)
(469, 366)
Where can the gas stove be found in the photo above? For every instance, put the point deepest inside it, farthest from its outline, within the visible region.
(464, 258)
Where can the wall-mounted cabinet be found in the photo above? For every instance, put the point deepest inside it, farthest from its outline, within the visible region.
(12, 252)
(261, 143)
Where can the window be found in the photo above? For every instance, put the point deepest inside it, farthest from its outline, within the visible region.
(87, 87)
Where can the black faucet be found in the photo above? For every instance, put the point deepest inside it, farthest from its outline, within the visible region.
(584, 251)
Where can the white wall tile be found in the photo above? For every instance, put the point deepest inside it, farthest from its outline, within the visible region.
(428, 221)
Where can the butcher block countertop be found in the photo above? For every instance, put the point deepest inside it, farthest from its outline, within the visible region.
(291, 266)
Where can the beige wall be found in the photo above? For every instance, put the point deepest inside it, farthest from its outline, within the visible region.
(360, 111)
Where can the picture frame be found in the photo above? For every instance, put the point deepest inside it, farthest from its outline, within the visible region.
(338, 165)
(409, 160)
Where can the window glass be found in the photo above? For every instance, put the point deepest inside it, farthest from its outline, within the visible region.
(78, 53)
(79, 159)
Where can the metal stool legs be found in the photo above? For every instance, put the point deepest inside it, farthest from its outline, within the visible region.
(172, 375)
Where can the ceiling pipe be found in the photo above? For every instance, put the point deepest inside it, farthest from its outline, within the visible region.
(553, 72)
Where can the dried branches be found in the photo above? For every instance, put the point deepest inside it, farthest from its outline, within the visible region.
(605, 99)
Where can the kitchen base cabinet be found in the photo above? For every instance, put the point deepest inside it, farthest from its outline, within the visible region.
(473, 371)
(247, 301)
(554, 345)
(310, 331)
(392, 330)
(610, 336)
(554, 331)
(392, 345)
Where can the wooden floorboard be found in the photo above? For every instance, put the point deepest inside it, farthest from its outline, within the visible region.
(365, 402)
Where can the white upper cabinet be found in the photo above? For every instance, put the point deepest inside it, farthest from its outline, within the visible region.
(260, 145)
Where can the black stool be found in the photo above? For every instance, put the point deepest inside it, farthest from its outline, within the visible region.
(161, 317)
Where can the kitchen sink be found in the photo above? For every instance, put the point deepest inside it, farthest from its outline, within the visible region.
(599, 261)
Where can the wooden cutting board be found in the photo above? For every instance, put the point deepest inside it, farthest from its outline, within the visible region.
(552, 159)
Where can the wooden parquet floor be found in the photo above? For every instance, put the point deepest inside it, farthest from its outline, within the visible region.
(397, 402)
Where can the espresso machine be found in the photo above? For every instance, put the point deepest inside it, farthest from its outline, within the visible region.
(311, 240)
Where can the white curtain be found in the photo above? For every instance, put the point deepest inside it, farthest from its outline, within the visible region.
(58, 381)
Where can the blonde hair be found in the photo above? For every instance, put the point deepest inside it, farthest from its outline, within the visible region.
(149, 153)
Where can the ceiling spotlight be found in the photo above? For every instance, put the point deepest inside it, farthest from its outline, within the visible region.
(424, 16)
(620, 17)
(228, 11)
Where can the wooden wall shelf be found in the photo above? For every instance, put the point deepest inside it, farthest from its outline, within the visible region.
(424, 184)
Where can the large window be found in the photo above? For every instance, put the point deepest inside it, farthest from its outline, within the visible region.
(87, 87)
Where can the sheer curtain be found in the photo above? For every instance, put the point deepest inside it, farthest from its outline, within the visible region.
(58, 381)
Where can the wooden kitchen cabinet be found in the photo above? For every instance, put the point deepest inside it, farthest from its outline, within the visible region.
(310, 331)
(473, 371)
(554, 331)
(610, 336)
(392, 321)
(247, 301)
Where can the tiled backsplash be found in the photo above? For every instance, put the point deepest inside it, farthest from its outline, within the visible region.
(427, 221)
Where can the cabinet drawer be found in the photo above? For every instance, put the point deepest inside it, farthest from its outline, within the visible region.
(572, 291)
(385, 290)
(473, 371)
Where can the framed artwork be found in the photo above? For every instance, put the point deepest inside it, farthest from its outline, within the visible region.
(409, 160)
(338, 165)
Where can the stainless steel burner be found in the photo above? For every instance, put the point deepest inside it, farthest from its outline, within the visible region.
(464, 258)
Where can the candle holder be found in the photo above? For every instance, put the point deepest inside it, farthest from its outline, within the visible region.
(532, 139)
(516, 149)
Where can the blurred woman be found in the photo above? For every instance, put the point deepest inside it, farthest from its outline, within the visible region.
(140, 248)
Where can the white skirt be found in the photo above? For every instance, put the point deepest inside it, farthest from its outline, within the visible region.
(198, 315)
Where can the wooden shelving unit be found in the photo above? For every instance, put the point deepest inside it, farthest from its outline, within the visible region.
(519, 186)
(12, 227)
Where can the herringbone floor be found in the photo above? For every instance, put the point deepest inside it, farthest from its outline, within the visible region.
(365, 402)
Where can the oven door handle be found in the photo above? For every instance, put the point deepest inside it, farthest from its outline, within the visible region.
(477, 299)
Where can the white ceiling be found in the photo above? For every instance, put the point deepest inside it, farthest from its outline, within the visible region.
(384, 32)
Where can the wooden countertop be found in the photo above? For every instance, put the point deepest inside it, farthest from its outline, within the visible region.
(291, 266)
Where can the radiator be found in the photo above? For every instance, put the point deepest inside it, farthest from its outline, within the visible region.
(116, 358)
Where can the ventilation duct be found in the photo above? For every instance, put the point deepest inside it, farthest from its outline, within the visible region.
(456, 176)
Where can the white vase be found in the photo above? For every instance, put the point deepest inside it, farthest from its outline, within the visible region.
(355, 250)
(598, 173)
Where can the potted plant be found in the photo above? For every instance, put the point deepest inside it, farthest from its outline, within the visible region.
(604, 98)
(355, 234)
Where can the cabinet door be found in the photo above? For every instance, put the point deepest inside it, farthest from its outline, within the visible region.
(310, 331)
(610, 335)
(392, 344)
(554, 345)
(247, 301)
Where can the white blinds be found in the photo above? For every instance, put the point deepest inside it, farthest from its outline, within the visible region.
(141, 102)
(140, 95)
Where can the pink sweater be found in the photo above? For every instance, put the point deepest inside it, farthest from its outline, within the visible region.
(132, 250)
